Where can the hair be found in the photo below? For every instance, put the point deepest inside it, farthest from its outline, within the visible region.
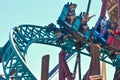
(85, 13)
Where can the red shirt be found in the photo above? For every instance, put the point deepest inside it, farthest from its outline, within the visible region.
(116, 32)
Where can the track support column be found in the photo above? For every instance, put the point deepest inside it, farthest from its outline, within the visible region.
(94, 71)
(45, 67)
(104, 71)
(104, 8)
(64, 71)
(77, 63)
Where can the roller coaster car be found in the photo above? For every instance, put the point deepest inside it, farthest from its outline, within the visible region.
(99, 34)
(108, 42)
(74, 28)
(1, 78)
(77, 26)
(52, 27)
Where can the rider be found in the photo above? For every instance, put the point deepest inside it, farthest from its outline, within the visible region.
(111, 28)
(103, 23)
(71, 15)
(85, 19)
(52, 26)
(117, 32)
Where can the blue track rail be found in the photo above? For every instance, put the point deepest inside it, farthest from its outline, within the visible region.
(21, 37)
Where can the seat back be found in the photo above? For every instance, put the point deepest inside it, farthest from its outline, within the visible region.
(64, 13)
(77, 23)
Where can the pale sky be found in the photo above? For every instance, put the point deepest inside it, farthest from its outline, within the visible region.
(43, 12)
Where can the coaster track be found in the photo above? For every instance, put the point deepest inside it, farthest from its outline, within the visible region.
(21, 37)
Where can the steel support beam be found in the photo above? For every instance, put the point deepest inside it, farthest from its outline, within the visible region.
(88, 7)
(95, 62)
(94, 68)
(104, 8)
(104, 71)
(77, 63)
(64, 71)
(45, 67)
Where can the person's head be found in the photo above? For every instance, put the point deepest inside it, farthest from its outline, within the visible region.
(85, 14)
(72, 6)
(104, 17)
(112, 25)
